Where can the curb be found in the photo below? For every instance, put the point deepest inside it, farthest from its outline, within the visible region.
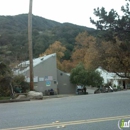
(14, 100)
(56, 96)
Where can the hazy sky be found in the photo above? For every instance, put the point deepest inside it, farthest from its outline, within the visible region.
(72, 11)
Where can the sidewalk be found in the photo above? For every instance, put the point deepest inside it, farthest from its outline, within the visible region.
(28, 99)
(44, 97)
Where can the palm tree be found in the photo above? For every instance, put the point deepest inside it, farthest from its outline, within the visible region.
(30, 43)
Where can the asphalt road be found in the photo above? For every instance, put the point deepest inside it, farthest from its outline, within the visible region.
(85, 112)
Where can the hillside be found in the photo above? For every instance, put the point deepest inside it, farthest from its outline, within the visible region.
(13, 36)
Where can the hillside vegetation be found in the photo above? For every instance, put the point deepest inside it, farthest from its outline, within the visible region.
(14, 38)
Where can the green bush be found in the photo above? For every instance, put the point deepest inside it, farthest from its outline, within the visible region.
(19, 83)
(79, 75)
(119, 88)
(4, 91)
(5, 79)
(4, 98)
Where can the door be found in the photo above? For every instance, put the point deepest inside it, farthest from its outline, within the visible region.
(124, 84)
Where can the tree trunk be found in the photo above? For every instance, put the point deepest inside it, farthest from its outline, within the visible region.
(12, 91)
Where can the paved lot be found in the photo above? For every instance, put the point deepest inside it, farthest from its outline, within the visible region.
(82, 112)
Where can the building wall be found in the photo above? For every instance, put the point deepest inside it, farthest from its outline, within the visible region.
(104, 74)
(58, 80)
(44, 69)
(64, 85)
(113, 78)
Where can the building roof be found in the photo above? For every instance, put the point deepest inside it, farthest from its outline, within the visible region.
(109, 75)
(24, 66)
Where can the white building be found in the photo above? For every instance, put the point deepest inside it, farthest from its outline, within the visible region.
(113, 78)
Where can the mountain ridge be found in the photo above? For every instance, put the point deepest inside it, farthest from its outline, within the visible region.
(14, 35)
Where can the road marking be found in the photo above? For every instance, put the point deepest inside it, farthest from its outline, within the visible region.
(50, 125)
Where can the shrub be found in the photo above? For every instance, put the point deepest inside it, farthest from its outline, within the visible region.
(20, 84)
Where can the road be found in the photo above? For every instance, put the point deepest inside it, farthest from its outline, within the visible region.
(85, 112)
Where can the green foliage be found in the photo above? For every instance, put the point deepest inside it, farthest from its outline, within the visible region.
(94, 79)
(5, 79)
(4, 69)
(119, 88)
(79, 75)
(115, 29)
(19, 82)
(113, 24)
(4, 91)
(14, 36)
(4, 98)
(67, 55)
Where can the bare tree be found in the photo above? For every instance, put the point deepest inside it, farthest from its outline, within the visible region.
(30, 43)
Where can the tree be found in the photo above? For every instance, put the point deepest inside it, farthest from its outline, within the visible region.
(112, 22)
(67, 65)
(5, 80)
(116, 32)
(79, 75)
(94, 79)
(57, 48)
(8, 81)
(115, 58)
(4, 70)
(86, 51)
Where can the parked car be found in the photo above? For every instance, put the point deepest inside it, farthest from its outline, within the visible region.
(81, 90)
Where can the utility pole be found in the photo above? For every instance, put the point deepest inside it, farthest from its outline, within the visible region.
(30, 44)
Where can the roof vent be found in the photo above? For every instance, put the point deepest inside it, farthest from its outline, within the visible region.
(42, 58)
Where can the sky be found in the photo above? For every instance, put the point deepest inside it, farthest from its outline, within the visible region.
(72, 11)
